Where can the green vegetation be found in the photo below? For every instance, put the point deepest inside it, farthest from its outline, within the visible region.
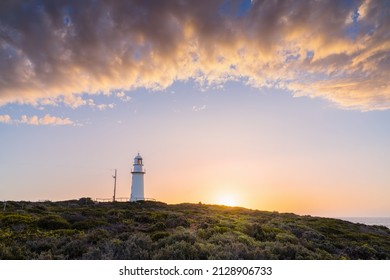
(82, 229)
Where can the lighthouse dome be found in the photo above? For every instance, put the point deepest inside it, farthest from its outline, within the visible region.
(138, 159)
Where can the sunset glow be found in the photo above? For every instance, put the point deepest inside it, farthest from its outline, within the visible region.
(227, 200)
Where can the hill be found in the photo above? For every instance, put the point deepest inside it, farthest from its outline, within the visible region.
(83, 229)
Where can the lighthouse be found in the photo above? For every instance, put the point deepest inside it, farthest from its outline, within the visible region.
(137, 182)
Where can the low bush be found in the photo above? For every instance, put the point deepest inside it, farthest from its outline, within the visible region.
(159, 235)
(13, 219)
(52, 222)
(137, 247)
(88, 224)
(174, 220)
(150, 230)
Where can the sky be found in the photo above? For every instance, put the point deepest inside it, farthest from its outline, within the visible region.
(271, 105)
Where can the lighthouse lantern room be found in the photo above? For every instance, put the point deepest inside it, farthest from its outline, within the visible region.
(137, 182)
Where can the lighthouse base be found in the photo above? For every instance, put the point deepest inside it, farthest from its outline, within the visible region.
(137, 187)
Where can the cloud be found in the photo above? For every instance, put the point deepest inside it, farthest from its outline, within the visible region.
(51, 120)
(103, 107)
(5, 119)
(198, 108)
(35, 120)
(75, 101)
(32, 120)
(337, 50)
(122, 96)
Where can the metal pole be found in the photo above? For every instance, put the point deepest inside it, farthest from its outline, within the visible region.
(5, 204)
(113, 199)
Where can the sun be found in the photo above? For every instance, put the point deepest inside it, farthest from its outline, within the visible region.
(227, 200)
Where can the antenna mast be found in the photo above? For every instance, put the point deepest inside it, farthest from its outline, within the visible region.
(114, 176)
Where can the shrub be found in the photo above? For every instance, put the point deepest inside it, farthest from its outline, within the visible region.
(262, 233)
(174, 221)
(46, 255)
(159, 235)
(284, 251)
(158, 226)
(205, 233)
(221, 229)
(95, 253)
(143, 218)
(40, 245)
(52, 222)
(286, 237)
(5, 252)
(73, 217)
(364, 252)
(181, 250)
(13, 219)
(98, 235)
(74, 249)
(12, 251)
(313, 236)
(242, 238)
(88, 224)
(137, 247)
(180, 235)
(37, 209)
(116, 213)
(85, 201)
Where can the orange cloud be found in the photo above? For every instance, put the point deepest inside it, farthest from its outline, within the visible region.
(46, 120)
(5, 119)
(338, 50)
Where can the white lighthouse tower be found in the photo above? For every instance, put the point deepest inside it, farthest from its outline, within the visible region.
(137, 182)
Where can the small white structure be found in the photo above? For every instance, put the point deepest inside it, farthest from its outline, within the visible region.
(137, 182)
